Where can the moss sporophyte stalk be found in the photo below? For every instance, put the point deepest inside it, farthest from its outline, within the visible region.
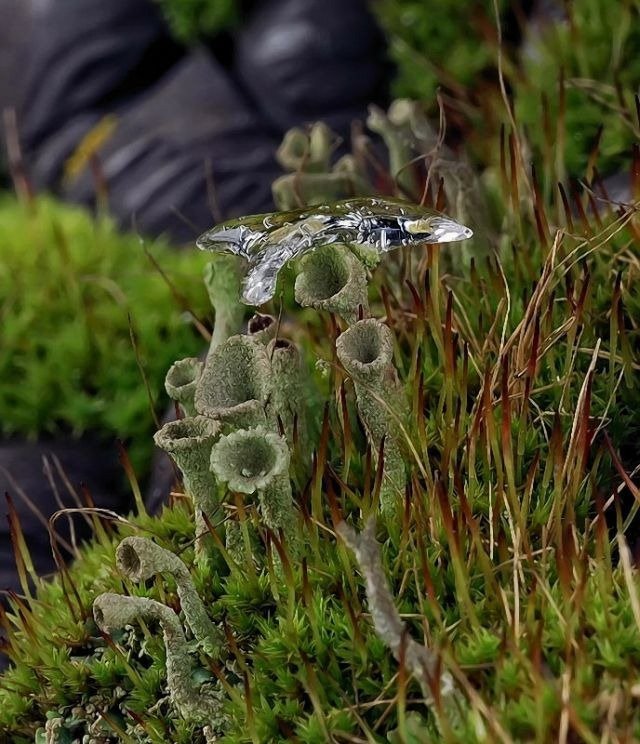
(401, 512)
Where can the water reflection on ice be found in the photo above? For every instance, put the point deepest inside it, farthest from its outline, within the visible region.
(268, 241)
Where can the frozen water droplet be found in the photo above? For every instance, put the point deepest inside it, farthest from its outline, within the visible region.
(268, 242)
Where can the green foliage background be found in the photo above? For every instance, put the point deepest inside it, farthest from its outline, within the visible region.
(193, 20)
(72, 288)
(581, 63)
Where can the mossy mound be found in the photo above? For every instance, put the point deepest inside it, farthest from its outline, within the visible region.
(511, 554)
(577, 62)
(507, 556)
(74, 292)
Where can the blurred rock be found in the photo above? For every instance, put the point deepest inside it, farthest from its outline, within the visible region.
(86, 58)
(86, 462)
(193, 126)
(14, 33)
(309, 60)
(114, 110)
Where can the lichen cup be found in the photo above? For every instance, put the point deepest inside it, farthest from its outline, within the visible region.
(331, 278)
(256, 460)
(366, 352)
(235, 384)
(181, 381)
(189, 442)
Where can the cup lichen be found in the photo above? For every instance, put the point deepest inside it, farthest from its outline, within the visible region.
(223, 280)
(331, 278)
(366, 352)
(289, 396)
(113, 612)
(235, 384)
(257, 461)
(181, 380)
(307, 151)
(188, 441)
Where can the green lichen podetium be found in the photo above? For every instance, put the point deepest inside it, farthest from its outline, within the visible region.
(222, 280)
(256, 461)
(112, 612)
(289, 394)
(331, 278)
(140, 559)
(366, 352)
(234, 386)
(181, 380)
(189, 441)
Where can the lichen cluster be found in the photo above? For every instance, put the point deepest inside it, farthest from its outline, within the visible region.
(243, 415)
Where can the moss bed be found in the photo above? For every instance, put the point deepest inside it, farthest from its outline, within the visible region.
(74, 291)
(512, 553)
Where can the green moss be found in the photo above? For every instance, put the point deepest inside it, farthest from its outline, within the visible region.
(507, 558)
(590, 54)
(435, 43)
(191, 20)
(72, 289)
(592, 60)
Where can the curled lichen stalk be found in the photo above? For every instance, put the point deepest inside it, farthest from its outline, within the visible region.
(422, 662)
(257, 461)
(140, 559)
(113, 612)
(332, 278)
(189, 442)
(366, 352)
(181, 380)
(235, 384)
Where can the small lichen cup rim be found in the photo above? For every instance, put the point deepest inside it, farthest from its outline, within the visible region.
(365, 347)
(228, 454)
(183, 434)
(184, 372)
